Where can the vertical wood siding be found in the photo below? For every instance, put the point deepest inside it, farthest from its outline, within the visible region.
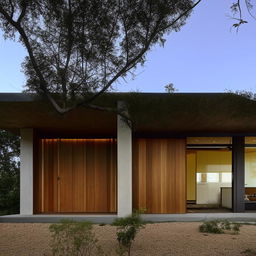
(159, 175)
(76, 176)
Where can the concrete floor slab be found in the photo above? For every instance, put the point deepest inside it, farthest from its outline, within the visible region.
(188, 217)
(53, 218)
(243, 217)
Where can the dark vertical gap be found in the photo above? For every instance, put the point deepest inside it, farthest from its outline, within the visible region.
(238, 174)
(36, 191)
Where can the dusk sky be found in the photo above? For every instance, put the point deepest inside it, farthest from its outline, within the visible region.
(207, 55)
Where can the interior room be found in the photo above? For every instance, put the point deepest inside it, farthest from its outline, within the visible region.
(209, 175)
(250, 176)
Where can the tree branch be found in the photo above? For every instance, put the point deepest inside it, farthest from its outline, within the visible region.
(12, 7)
(23, 11)
(133, 62)
(32, 58)
(248, 7)
(183, 14)
(69, 50)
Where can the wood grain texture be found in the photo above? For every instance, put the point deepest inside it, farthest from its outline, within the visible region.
(77, 175)
(46, 172)
(159, 175)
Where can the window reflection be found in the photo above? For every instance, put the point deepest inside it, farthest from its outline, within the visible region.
(225, 177)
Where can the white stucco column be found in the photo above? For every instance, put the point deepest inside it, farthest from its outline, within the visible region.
(26, 171)
(124, 165)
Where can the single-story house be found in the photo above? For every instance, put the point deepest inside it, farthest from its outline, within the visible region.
(178, 153)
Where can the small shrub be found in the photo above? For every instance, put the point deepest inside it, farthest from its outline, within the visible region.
(128, 228)
(211, 227)
(70, 238)
(219, 227)
(249, 252)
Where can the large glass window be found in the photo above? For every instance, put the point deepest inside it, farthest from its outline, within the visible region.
(213, 177)
(250, 167)
(213, 171)
(199, 177)
(250, 175)
(226, 177)
(250, 140)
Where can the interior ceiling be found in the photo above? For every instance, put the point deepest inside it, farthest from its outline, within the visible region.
(158, 113)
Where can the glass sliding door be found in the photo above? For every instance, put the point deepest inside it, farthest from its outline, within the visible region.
(250, 178)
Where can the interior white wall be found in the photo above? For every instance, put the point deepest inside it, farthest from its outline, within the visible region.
(212, 161)
(226, 200)
(209, 193)
(26, 171)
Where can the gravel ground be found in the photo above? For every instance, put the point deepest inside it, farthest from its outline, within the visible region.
(164, 239)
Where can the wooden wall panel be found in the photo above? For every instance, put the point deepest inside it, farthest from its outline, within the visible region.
(46, 172)
(66, 174)
(76, 175)
(79, 176)
(159, 175)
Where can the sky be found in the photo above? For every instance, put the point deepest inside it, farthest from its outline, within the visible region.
(206, 55)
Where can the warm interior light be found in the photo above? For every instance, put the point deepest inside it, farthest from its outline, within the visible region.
(104, 140)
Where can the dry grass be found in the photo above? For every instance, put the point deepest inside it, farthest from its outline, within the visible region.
(164, 239)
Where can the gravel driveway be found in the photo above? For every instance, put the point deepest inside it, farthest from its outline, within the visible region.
(164, 239)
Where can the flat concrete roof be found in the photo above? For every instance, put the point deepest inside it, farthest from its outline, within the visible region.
(153, 114)
(29, 111)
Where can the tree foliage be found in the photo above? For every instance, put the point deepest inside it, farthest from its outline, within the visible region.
(170, 88)
(9, 173)
(80, 48)
(238, 11)
(244, 93)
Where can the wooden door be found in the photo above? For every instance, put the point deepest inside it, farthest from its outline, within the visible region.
(77, 175)
(159, 175)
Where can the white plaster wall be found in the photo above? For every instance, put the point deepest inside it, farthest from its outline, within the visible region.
(124, 167)
(26, 171)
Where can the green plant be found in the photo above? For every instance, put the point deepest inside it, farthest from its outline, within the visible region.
(219, 227)
(236, 227)
(127, 229)
(211, 227)
(70, 238)
(249, 252)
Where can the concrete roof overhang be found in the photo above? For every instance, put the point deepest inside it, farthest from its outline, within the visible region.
(153, 114)
(28, 111)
